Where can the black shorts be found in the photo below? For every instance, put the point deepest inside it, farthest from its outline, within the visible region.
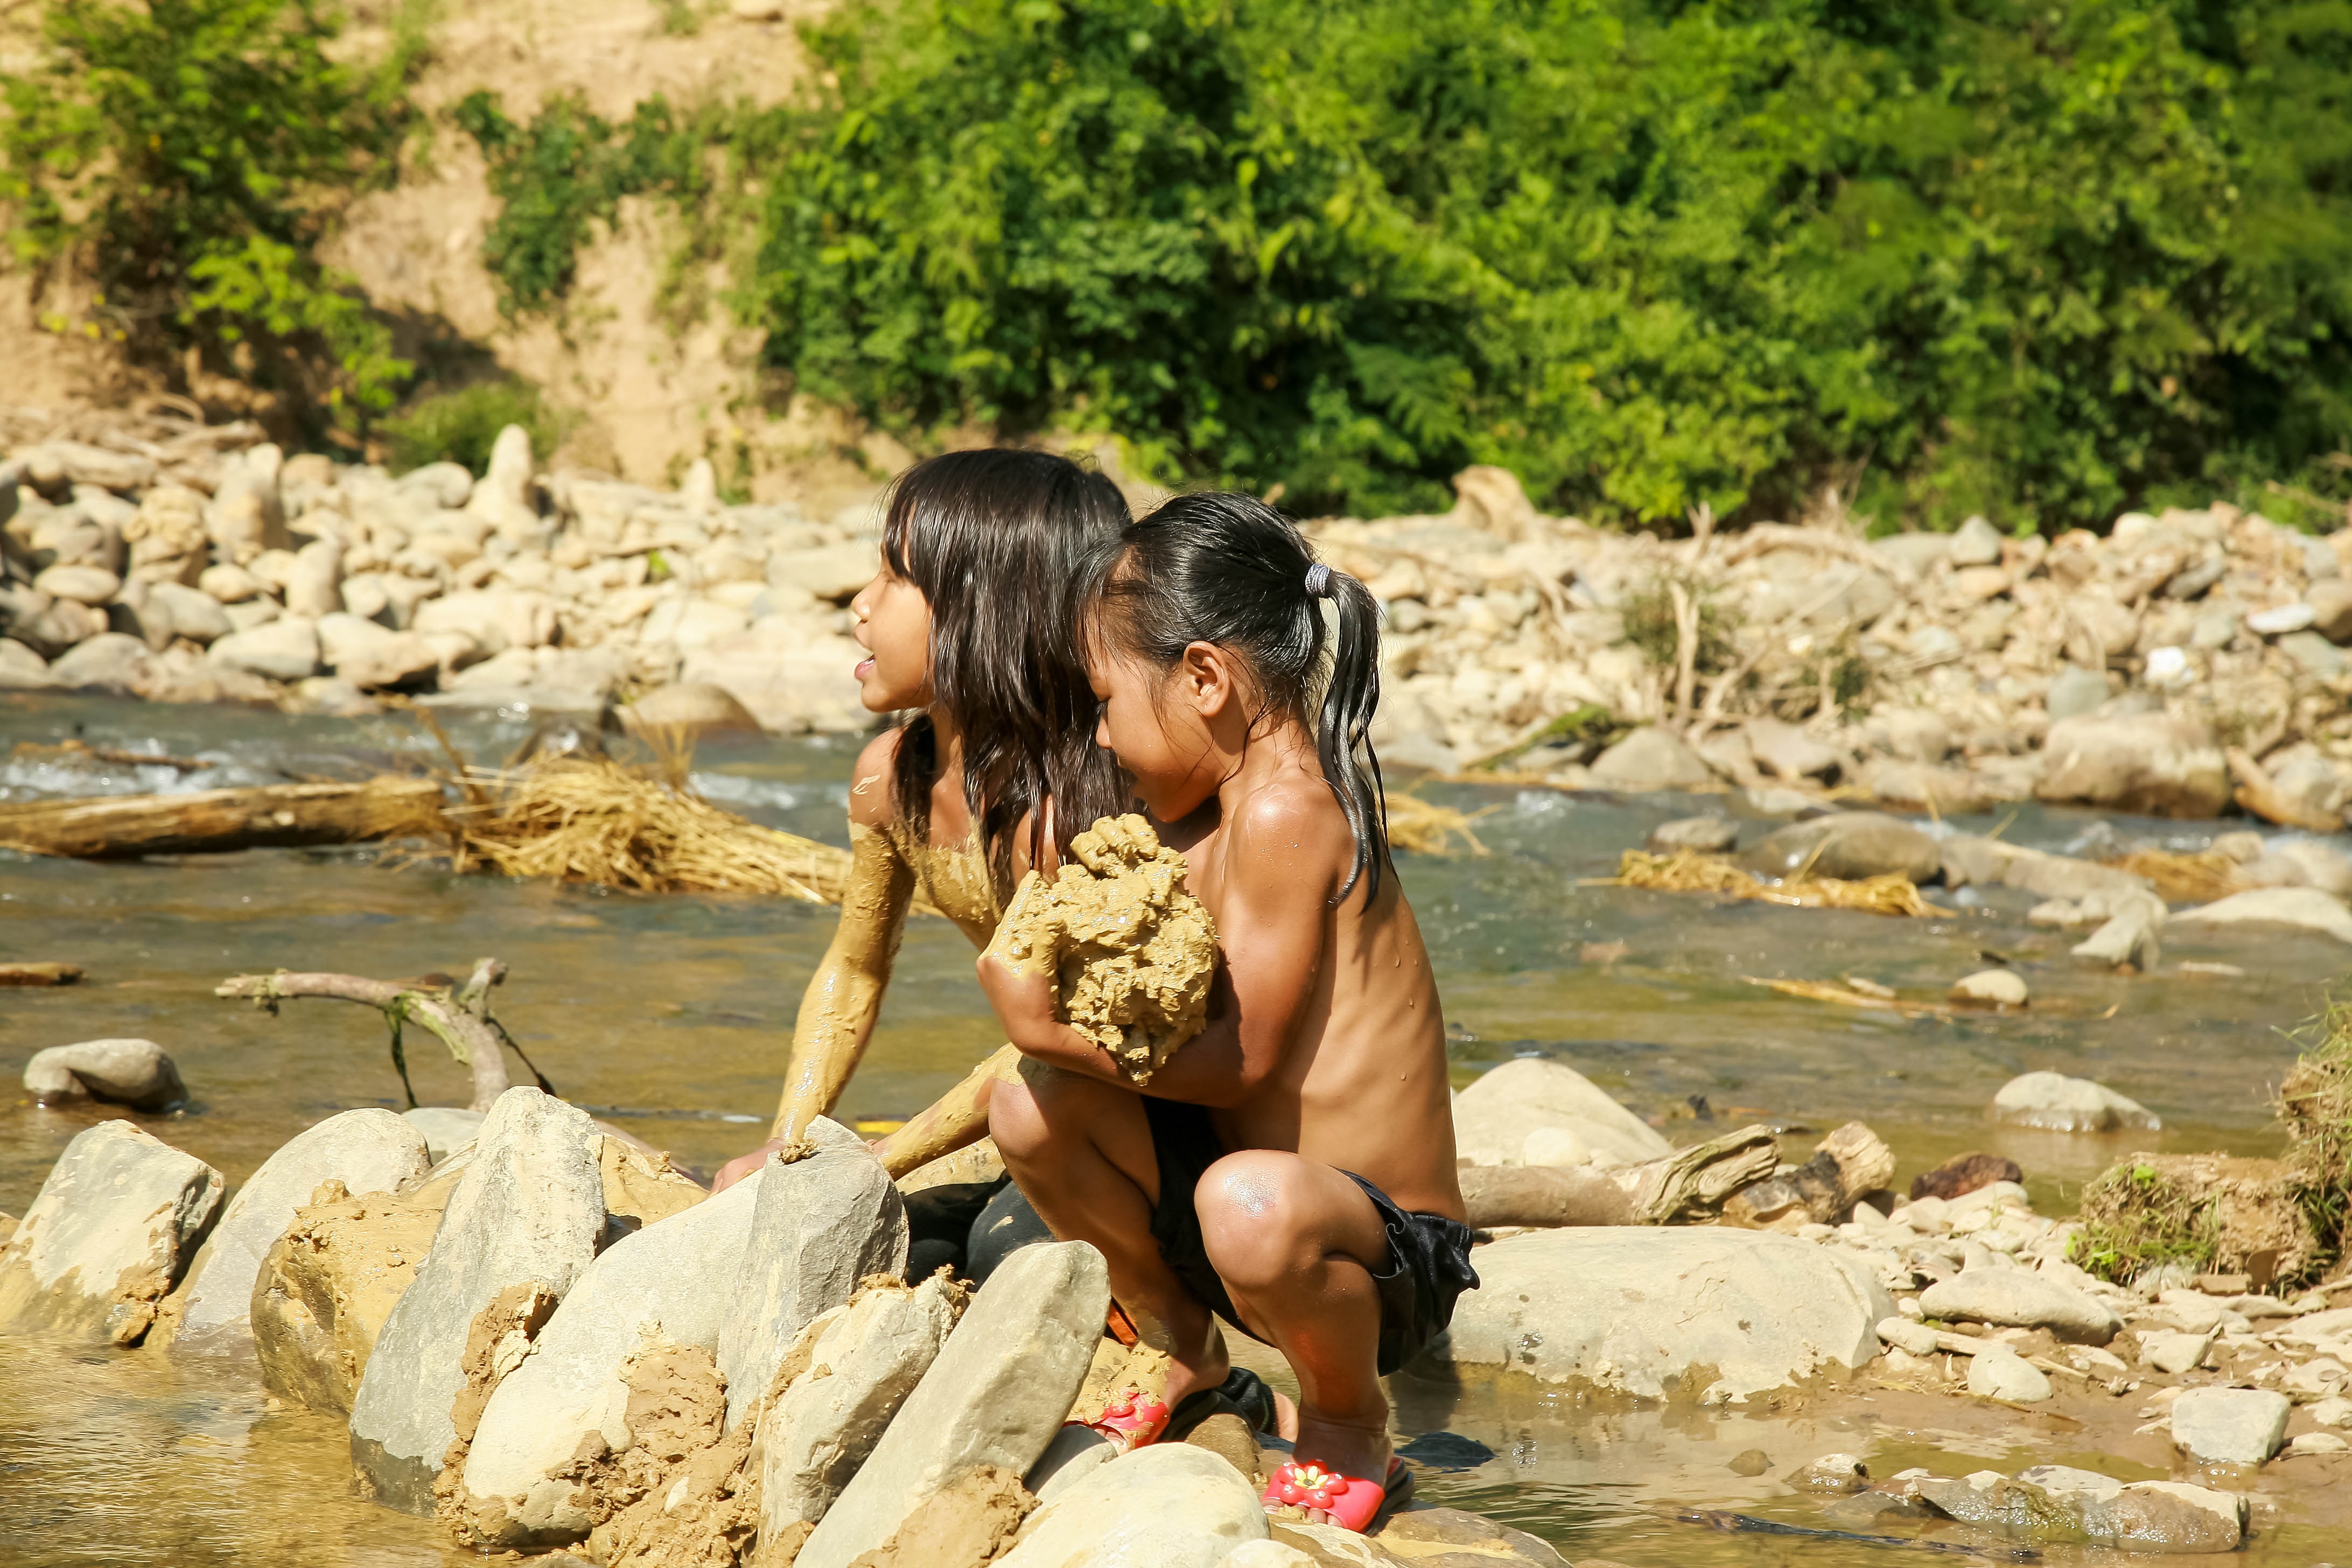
(1426, 1268)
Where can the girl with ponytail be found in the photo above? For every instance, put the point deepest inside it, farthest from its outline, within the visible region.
(1290, 1169)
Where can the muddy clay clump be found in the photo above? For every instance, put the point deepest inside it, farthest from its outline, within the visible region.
(328, 1284)
(1132, 949)
(2214, 1214)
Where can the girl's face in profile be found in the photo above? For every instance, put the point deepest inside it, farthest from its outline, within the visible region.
(1157, 723)
(894, 627)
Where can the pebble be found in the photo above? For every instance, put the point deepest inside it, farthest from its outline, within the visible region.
(1992, 987)
(2003, 1373)
(2310, 1443)
(1750, 1462)
(2173, 1353)
(1831, 1473)
(1903, 1333)
(1707, 834)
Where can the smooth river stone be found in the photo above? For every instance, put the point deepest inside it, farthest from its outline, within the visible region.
(369, 1151)
(1494, 1116)
(1701, 1313)
(1170, 1505)
(2010, 1297)
(995, 1397)
(109, 1233)
(526, 1217)
(2229, 1425)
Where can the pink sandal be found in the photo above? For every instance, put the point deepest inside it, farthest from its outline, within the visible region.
(1133, 1420)
(1352, 1502)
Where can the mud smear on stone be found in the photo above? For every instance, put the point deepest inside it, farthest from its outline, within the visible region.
(962, 1527)
(1132, 949)
(681, 1494)
(496, 1343)
(328, 1284)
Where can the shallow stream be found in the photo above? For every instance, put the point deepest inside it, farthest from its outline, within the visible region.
(674, 1016)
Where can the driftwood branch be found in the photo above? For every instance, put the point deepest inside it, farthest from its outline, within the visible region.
(457, 1015)
(1690, 1184)
(215, 821)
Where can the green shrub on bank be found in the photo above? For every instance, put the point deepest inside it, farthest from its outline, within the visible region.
(2039, 262)
(188, 157)
(461, 426)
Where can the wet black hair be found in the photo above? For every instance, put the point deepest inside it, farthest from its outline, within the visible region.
(1220, 568)
(998, 542)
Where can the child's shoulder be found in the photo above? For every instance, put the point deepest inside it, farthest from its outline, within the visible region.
(874, 781)
(1292, 821)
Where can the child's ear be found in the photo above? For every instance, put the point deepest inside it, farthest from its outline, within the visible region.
(1206, 677)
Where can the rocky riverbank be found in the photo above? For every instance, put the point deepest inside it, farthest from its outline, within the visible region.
(2184, 665)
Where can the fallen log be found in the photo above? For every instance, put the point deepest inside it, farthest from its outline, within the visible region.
(1687, 1186)
(460, 1016)
(40, 974)
(274, 817)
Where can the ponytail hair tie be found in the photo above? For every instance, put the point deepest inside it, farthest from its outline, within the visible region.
(1318, 580)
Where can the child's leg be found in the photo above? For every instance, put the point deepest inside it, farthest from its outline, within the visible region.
(1295, 1243)
(1082, 1154)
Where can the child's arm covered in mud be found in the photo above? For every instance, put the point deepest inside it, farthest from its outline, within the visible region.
(1271, 914)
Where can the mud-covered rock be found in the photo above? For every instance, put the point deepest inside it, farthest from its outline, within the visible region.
(109, 1233)
(326, 1286)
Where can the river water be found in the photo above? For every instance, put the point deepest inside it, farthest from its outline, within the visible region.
(673, 1016)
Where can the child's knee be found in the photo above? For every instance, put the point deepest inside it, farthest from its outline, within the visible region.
(1016, 1121)
(1258, 1216)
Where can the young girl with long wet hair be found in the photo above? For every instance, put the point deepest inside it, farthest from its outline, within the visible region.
(1290, 1169)
(967, 627)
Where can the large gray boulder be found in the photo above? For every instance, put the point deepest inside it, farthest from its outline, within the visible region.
(1703, 1313)
(1170, 1505)
(136, 1073)
(863, 1359)
(522, 1225)
(1495, 1117)
(107, 1237)
(1849, 846)
(2229, 1425)
(992, 1400)
(822, 1225)
(369, 1151)
(673, 1279)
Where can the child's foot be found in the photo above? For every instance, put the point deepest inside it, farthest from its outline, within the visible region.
(1360, 1457)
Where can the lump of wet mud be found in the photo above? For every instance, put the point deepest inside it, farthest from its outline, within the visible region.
(326, 1286)
(1131, 949)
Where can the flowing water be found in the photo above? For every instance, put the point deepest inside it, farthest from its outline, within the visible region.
(673, 1016)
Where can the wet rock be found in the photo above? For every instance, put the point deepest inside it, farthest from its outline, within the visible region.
(992, 1399)
(283, 649)
(446, 1127)
(2057, 1103)
(1496, 1116)
(1992, 987)
(1965, 1174)
(368, 1151)
(1267, 1554)
(823, 1224)
(1421, 1538)
(1749, 1311)
(1707, 834)
(1649, 760)
(1831, 1473)
(527, 1216)
(2012, 1297)
(695, 707)
(2003, 1373)
(1749, 1462)
(2300, 909)
(2129, 933)
(2153, 763)
(136, 1073)
(106, 1239)
(1849, 846)
(863, 1359)
(2229, 1425)
(2056, 1504)
(669, 1280)
(114, 662)
(1170, 1505)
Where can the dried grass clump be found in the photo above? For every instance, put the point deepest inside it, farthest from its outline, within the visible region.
(2197, 879)
(2315, 1103)
(1424, 827)
(1689, 871)
(2213, 1213)
(583, 819)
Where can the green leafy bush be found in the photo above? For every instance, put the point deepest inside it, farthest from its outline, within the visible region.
(2042, 262)
(188, 156)
(460, 426)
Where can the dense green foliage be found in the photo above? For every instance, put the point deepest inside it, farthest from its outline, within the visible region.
(461, 425)
(2038, 260)
(189, 156)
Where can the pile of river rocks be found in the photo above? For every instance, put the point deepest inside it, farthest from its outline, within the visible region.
(2133, 670)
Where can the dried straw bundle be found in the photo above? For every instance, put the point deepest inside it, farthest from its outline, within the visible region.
(1424, 827)
(1688, 872)
(581, 819)
(2197, 879)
